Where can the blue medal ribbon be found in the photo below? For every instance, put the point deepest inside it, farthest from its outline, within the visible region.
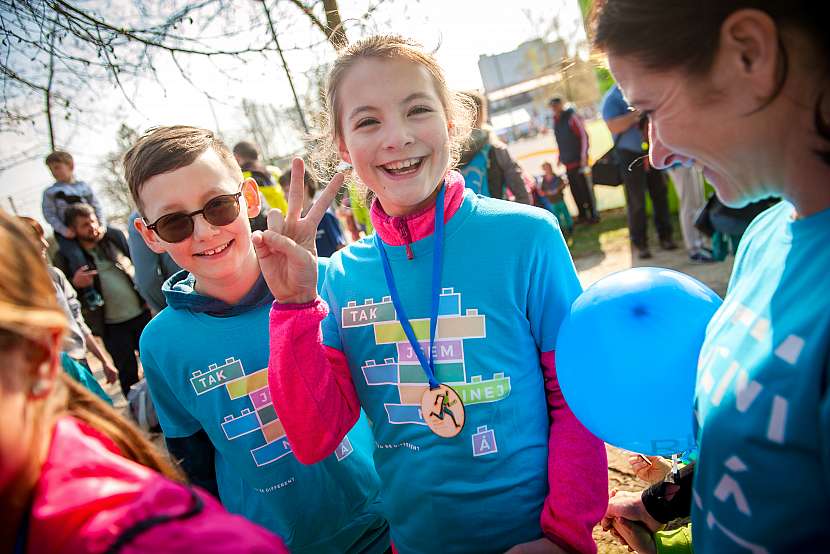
(437, 257)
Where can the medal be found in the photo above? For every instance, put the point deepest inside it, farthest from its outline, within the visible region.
(443, 411)
(441, 407)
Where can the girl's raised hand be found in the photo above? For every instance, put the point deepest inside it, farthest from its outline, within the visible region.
(287, 251)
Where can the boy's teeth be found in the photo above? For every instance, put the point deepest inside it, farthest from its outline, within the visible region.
(215, 250)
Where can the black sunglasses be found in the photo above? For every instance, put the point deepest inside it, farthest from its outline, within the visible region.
(176, 227)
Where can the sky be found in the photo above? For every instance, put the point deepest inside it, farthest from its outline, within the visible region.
(459, 31)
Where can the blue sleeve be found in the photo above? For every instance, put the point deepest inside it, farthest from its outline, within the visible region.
(174, 418)
(613, 104)
(554, 284)
(148, 277)
(50, 213)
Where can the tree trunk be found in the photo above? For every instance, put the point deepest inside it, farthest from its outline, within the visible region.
(336, 33)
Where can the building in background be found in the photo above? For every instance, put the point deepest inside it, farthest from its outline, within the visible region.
(519, 83)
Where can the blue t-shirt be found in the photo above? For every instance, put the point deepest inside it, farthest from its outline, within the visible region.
(329, 235)
(210, 373)
(762, 482)
(614, 105)
(502, 303)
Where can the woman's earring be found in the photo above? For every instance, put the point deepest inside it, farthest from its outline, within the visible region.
(40, 388)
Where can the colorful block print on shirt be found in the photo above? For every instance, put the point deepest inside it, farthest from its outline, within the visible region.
(261, 417)
(404, 371)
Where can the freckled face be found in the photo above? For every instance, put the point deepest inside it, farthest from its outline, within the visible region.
(394, 131)
(213, 253)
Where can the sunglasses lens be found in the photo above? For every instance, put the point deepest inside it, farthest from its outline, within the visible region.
(222, 210)
(174, 227)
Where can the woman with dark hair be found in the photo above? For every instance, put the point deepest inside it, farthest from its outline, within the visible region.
(741, 88)
(75, 477)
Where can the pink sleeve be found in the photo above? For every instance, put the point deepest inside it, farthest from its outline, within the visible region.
(310, 383)
(577, 473)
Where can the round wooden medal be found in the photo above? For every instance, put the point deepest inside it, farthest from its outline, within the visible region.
(443, 411)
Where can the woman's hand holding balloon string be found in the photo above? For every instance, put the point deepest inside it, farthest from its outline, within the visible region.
(651, 469)
(287, 251)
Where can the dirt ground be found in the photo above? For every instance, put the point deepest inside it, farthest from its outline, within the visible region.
(613, 253)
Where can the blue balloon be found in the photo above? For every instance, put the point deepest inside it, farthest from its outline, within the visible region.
(626, 357)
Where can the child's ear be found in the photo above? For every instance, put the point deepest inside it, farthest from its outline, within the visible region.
(252, 198)
(151, 239)
(341, 149)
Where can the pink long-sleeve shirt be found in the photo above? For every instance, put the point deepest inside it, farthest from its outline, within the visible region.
(301, 366)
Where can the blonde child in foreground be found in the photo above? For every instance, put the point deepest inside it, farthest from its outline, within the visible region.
(440, 328)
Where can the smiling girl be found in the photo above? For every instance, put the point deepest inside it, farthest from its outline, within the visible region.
(441, 326)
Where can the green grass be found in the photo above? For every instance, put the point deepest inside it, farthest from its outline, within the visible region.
(612, 228)
(590, 239)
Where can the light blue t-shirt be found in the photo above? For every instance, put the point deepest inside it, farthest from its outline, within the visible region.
(614, 105)
(502, 303)
(762, 481)
(210, 373)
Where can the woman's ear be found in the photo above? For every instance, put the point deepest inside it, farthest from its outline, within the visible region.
(748, 54)
(44, 357)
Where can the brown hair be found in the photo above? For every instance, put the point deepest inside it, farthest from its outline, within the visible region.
(74, 211)
(29, 309)
(480, 104)
(246, 150)
(165, 149)
(35, 225)
(458, 108)
(59, 156)
(686, 36)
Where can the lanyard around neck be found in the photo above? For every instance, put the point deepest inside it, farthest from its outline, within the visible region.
(437, 256)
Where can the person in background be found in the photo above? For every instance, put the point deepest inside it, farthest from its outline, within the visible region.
(247, 156)
(486, 164)
(572, 141)
(549, 192)
(151, 269)
(688, 182)
(638, 175)
(64, 192)
(124, 313)
(75, 477)
(741, 88)
(78, 339)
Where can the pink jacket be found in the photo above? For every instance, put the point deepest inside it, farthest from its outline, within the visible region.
(89, 496)
(302, 367)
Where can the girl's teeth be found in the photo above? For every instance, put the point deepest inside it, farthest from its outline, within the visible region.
(402, 164)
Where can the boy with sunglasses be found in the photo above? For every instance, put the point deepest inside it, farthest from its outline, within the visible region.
(205, 356)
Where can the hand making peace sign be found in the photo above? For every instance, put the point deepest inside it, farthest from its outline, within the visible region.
(287, 251)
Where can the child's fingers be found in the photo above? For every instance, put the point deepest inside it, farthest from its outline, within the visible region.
(296, 190)
(277, 243)
(315, 214)
(275, 220)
